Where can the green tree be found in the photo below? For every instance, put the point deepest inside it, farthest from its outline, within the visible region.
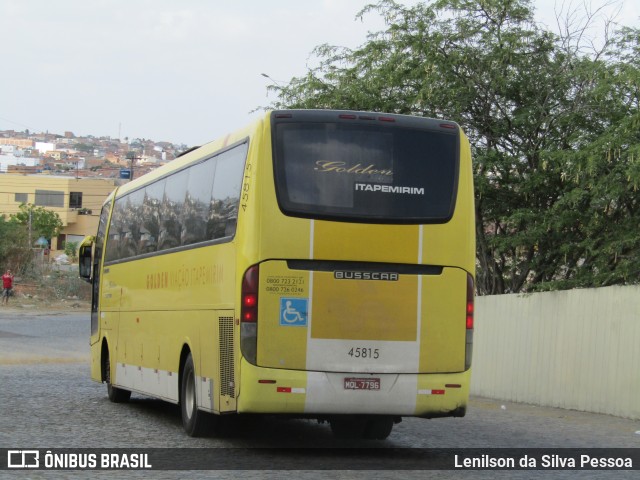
(71, 250)
(551, 123)
(44, 223)
(13, 250)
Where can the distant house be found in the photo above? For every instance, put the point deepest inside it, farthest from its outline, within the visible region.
(76, 201)
(58, 155)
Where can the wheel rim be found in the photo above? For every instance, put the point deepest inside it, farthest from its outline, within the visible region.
(189, 395)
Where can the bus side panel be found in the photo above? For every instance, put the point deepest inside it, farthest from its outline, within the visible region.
(454, 243)
(150, 355)
(169, 302)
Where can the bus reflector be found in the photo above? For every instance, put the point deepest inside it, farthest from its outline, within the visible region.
(347, 117)
(386, 119)
(290, 390)
(431, 392)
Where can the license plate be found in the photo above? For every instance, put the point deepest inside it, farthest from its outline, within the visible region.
(362, 384)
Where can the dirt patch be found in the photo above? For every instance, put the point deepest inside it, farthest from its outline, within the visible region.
(51, 290)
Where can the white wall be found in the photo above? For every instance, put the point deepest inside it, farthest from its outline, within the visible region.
(577, 349)
(44, 147)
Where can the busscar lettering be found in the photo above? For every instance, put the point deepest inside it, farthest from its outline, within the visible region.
(349, 275)
(376, 187)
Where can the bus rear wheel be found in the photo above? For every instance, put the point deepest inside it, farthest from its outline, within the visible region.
(348, 426)
(361, 426)
(195, 422)
(378, 428)
(115, 394)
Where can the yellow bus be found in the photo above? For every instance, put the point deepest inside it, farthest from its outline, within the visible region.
(317, 264)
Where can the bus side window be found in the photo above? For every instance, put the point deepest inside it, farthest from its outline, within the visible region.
(196, 204)
(226, 192)
(172, 210)
(116, 232)
(132, 216)
(151, 215)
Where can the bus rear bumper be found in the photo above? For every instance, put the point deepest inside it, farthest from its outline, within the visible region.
(275, 391)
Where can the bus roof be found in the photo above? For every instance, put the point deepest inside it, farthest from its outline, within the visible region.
(193, 156)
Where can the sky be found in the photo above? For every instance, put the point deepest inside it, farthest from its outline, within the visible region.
(181, 71)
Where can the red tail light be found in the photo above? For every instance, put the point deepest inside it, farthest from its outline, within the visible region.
(249, 311)
(249, 314)
(469, 323)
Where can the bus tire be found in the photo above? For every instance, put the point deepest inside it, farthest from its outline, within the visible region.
(195, 422)
(378, 428)
(115, 394)
(348, 426)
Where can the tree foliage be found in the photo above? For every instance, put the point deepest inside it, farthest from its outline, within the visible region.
(14, 252)
(44, 223)
(553, 121)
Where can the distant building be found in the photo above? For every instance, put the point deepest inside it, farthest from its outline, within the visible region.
(17, 142)
(45, 147)
(9, 160)
(76, 201)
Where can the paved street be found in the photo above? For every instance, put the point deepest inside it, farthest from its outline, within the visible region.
(48, 400)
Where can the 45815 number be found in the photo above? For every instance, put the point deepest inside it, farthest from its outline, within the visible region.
(364, 352)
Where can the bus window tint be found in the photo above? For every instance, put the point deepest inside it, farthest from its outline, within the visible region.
(116, 231)
(151, 216)
(364, 172)
(196, 203)
(172, 210)
(223, 212)
(131, 219)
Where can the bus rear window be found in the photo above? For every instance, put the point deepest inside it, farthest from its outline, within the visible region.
(376, 173)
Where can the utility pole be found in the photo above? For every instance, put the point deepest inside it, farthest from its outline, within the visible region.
(131, 156)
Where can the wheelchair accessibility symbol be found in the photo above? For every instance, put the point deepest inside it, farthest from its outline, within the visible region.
(293, 312)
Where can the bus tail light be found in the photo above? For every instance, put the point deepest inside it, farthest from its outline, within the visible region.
(469, 322)
(249, 314)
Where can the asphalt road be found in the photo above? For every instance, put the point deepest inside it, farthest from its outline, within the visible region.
(48, 401)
